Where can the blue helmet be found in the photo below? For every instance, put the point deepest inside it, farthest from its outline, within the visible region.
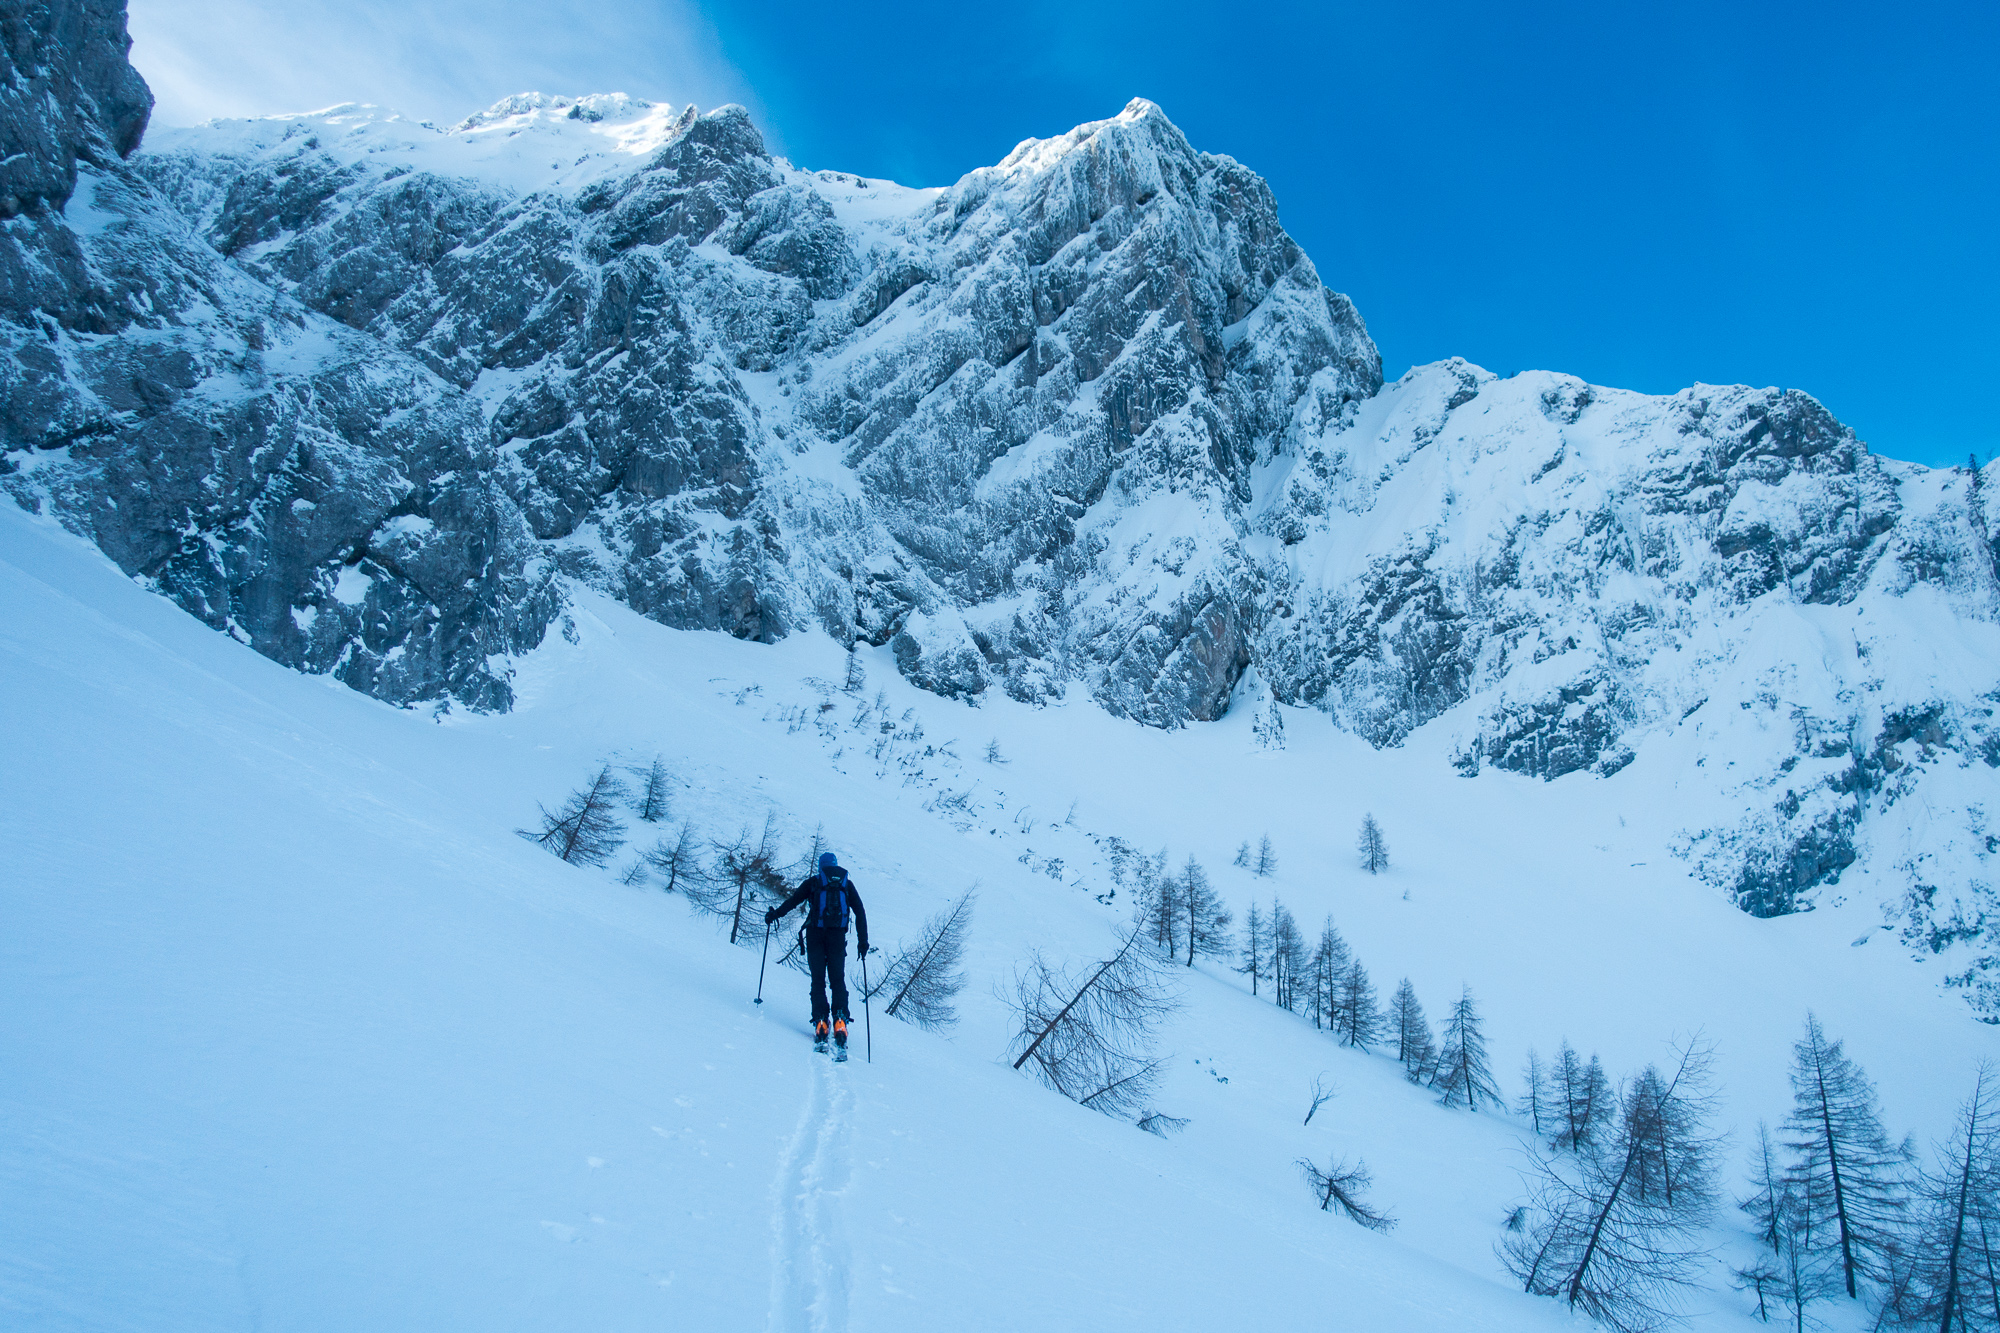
(827, 860)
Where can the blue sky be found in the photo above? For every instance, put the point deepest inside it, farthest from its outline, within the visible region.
(1643, 195)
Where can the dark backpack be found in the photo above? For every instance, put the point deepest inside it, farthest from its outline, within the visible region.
(830, 901)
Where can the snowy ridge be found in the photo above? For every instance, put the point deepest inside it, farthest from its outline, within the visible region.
(525, 143)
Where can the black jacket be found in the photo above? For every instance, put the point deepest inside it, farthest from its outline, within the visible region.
(804, 894)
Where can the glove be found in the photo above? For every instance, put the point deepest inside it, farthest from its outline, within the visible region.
(771, 917)
(863, 946)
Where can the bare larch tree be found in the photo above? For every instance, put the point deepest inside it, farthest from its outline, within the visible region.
(808, 862)
(1950, 1279)
(1535, 1104)
(1582, 1097)
(1842, 1159)
(650, 801)
(1267, 858)
(1089, 1033)
(1415, 1046)
(1374, 848)
(1203, 920)
(1329, 964)
(676, 857)
(1767, 1183)
(1288, 957)
(746, 878)
(1256, 946)
(1617, 1231)
(1340, 1187)
(923, 978)
(1791, 1266)
(1156, 909)
(586, 830)
(1464, 1075)
(1356, 1020)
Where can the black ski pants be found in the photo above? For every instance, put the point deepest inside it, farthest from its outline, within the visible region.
(826, 955)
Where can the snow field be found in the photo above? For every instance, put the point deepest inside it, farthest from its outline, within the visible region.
(301, 1036)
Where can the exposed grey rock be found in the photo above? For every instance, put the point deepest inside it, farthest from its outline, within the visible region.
(67, 92)
(1574, 727)
(329, 502)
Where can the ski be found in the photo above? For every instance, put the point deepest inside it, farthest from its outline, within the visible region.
(840, 1055)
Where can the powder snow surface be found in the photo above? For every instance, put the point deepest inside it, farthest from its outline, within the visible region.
(299, 1035)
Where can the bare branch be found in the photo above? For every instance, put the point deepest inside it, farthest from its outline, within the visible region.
(1322, 1093)
(1341, 1186)
(923, 978)
(1087, 1038)
(585, 831)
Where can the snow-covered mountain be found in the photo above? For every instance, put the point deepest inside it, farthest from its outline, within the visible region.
(370, 394)
(747, 397)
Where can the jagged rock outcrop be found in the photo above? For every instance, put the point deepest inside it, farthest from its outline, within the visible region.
(67, 92)
(364, 392)
(326, 500)
(1003, 369)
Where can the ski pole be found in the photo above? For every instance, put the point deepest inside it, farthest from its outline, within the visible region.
(867, 1014)
(762, 961)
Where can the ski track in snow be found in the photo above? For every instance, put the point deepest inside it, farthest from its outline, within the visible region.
(811, 1267)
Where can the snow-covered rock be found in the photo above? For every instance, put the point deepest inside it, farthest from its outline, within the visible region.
(990, 382)
(67, 93)
(1556, 575)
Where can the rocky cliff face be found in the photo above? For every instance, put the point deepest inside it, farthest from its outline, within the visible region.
(322, 497)
(67, 92)
(749, 398)
(364, 393)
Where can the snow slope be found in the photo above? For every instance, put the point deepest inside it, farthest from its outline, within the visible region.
(299, 1035)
